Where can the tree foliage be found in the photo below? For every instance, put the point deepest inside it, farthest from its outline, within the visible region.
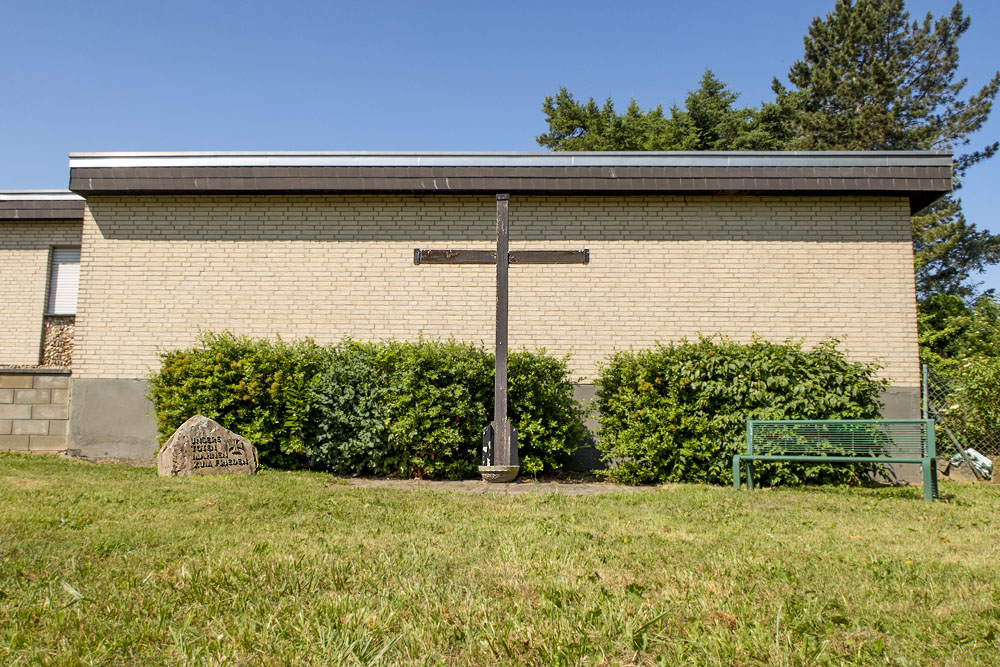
(709, 120)
(952, 331)
(869, 79)
(948, 251)
(961, 343)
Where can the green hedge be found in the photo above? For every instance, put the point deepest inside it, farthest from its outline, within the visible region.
(257, 388)
(549, 420)
(418, 409)
(388, 408)
(673, 413)
(677, 413)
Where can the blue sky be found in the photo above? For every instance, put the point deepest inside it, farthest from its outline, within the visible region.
(214, 75)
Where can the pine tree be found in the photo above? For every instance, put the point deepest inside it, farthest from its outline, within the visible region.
(871, 79)
(708, 121)
(947, 250)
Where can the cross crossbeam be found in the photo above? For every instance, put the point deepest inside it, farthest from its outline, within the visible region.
(490, 256)
(500, 440)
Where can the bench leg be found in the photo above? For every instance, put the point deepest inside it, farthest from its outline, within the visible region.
(750, 474)
(930, 480)
(736, 472)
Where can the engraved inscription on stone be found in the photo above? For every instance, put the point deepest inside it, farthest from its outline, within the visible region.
(202, 447)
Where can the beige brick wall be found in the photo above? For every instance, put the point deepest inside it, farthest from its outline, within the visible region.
(24, 271)
(156, 269)
(34, 412)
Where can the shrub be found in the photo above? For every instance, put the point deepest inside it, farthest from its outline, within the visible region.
(961, 344)
(678, 412)
(982, 394)
(970, 401)
(390, 408)
(257, 388)
(418, 409)
(442, 394)
(549, 420)
(350, 411)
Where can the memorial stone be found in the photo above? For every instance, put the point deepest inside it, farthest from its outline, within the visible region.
(202, 447)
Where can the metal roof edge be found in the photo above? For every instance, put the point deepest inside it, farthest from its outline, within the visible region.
(506, 159)
(496, 153)
(39, 195)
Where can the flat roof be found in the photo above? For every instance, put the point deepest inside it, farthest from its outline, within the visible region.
(508, 158)
(40, 205)
(922, 176)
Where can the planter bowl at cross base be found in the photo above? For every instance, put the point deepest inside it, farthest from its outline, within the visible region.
(499, 474)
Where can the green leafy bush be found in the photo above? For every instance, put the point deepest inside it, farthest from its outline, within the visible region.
(961, 344)
(969, 404)
(677, 413)
(257, 388)
(951, 331)
(350, 411)
(442, 397)
(418, 409)
(549, 420)
(982, 395)
(388, 408)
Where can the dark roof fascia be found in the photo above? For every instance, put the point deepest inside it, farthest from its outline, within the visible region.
(920, 176)
(40, 205)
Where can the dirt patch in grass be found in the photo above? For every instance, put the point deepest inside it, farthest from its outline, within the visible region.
(573, 488)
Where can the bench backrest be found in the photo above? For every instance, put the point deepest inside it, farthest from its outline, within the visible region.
(902, 438)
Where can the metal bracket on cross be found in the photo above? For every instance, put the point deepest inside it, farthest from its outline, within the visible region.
(500, 437)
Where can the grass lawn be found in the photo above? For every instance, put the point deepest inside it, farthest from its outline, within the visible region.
(109, 564)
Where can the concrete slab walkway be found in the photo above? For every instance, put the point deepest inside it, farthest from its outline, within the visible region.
(514, 488)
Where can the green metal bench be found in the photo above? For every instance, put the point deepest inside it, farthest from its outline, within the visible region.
(841, 441)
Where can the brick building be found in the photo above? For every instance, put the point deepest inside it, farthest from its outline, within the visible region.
(781, 245)
(39, 265)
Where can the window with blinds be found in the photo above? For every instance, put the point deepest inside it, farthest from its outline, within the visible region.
(64, 281)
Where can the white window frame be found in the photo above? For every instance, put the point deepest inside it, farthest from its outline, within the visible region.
(73, 276)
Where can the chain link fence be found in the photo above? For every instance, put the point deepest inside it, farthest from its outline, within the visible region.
(961, 423)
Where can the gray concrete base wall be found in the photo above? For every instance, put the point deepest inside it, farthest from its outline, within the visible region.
(587, 457)
(901, 403)
(34, 409)
(112, 419)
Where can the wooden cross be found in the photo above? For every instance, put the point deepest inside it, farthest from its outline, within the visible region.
(500, 438)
